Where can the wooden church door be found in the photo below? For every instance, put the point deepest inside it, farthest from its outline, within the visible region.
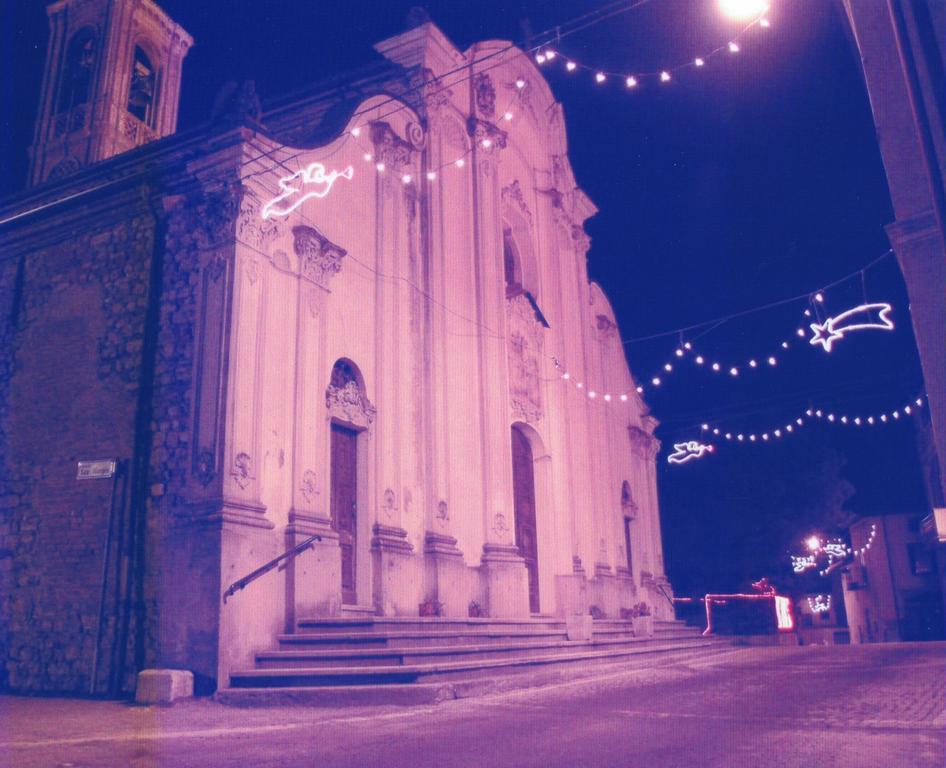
(344, 503)
(523, 482)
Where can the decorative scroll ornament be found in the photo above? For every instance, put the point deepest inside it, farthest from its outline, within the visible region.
(512, 196)
(485, 94)
(857, 319)
(309, 486)
(684, 452)
(311, 181)
(242, 468)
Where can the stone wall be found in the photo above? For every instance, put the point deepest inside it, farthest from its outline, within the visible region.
(71, 336)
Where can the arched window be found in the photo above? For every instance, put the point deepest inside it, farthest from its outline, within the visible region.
(512, 270)
(141, 90)
(343, 373)
(76, 84)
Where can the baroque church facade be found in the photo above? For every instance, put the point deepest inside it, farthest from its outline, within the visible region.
(344, 315)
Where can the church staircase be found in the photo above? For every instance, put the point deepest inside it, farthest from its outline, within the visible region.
(377, 660)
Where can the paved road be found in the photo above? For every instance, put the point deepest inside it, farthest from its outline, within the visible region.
(854, 707)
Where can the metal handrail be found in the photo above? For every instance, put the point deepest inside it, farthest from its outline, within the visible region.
(239, 584)
(664, 593)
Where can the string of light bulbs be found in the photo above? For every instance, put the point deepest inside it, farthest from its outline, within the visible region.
(810, 415)
(546, 55)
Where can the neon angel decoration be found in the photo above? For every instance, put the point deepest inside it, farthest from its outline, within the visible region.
(856, 319)
(684, 452)
(311, 181)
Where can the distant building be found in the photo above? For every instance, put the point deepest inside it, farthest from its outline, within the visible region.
(346, 315)
(820, 619)
(892, 592)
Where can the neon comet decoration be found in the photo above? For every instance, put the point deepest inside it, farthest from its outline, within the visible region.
(856, 319)
(691, 449)
(295, 190)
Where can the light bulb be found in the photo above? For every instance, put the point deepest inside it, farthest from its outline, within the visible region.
(655, 381)
(380, 167)
(688, 346)
(570, 66)
(592, 394)
(784, 345)
(600, 77)
(487, 143)
(640, 390)
(679, 353)
(665, 77)
(753, 364)
(356, 131)
(733, 47)
(508, 116)
(520, 83)
(406, 178)
(764, 23)
(540, 58)
(741, 10)
(623, 398)
(704, 427)
(819, 297)
(801, 332)
(668, 367)
(566, 376)
(460, 162)
(550, 55)
(698, 61)
(734, 371)
(715, 366)
(368, 157)
(607, 398)
(431, 175)
(771, 361)
(699, 359)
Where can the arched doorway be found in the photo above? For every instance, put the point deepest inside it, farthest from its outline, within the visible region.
(523, 483)
(350, 414)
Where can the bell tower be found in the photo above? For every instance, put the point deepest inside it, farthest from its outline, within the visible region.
(112, 82)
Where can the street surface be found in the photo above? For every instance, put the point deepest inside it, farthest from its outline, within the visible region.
(850, 706)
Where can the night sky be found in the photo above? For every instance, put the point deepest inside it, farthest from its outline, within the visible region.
(754, 179)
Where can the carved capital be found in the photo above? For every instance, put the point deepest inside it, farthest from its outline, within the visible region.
(319, 258)
(389, 148)
(486, 136)
(644, 444)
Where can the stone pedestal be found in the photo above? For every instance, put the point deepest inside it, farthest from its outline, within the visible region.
(396, 572)
(446, 577)
(313, 578)
(505, 581)
(603, 591)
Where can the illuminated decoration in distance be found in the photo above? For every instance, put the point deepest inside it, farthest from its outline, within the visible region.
(684, 452)
(783, 614)
(311, 181)
(802, 563)
(856, 319)
(819, 603)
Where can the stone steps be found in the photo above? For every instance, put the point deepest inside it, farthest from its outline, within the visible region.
(316, 676)
(412, 655)
(411, 659)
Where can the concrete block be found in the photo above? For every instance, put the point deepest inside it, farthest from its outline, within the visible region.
(163, 686)
(579, 627)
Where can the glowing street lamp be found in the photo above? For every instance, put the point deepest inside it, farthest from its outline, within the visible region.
(813, 543)
(742, 10)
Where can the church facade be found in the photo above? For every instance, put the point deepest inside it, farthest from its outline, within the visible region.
(346, 315)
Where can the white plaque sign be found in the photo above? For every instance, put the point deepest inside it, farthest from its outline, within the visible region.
(95, 470)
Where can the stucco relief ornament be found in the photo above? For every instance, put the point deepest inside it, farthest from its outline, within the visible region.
(242, 466)
(204, 469)
(309, 486)
(485, 94)
(319, 258)
(523, 349)
(512, 196)
(213, 218)
(500, 528)
(644, 444)
(348, 404)
(434, 94)
(389, 504)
